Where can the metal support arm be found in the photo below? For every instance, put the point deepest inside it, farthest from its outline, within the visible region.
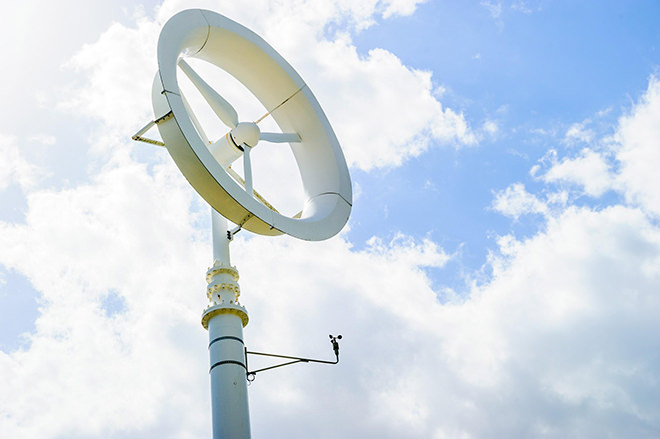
(251, 374)
(147, 127)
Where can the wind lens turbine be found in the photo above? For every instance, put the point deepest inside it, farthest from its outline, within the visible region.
(206, 163)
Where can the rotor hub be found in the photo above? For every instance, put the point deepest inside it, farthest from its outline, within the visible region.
(247, 133)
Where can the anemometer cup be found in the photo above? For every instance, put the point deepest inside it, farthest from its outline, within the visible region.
(335, 344)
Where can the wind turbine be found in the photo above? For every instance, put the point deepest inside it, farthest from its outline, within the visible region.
(206, 164)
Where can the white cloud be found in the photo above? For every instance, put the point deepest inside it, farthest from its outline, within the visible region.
(515, 201)
(404, 248)
(106, 373)
(400, 7)
(378, 124)
(44, 139)
(122, 233)
(578, 132)
(495, 8)
(490, 127)
(579, 290)
(589, 169)
(565, 325)
(626, 162)
(308, 14)
(521, 6)
(558, 343)
(560, 327)
(14, 167)
(125, 374)
(638, 152)
(119, 68)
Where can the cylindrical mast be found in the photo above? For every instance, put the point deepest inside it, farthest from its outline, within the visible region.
(221, 240)
(225, 318)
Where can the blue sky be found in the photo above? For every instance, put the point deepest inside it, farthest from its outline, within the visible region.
(498, 277)
(534, 67)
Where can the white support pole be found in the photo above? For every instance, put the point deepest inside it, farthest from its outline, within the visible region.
(225, 319)
(219, 229)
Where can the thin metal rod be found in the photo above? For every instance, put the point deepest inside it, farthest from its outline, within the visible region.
(254, 372)
(144, 129)
(306, 360)
(257, 195)
(280, 104)
(138, 136)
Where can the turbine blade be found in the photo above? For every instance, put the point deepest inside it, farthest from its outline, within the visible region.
(195, 122)
(219, 105)
(233, 174)
(247, 170)
(280, 137)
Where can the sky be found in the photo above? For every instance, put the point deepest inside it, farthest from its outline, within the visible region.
(499, 275)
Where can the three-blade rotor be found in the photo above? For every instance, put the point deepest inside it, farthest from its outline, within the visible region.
(243, 135)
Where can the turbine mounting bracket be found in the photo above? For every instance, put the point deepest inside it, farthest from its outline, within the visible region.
(138, 136)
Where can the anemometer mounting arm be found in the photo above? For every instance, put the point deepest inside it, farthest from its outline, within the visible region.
(251, 375)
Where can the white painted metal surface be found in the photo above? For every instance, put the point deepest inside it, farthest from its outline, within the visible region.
(243, 54)
(221, 241)
(225, 318)
(229, 399)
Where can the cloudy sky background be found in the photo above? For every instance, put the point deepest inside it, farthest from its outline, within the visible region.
(499, 276)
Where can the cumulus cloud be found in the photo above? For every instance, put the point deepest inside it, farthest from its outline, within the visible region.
(578, 132)
(14, 167)
(515, 201)
(117, 236)
(638, 152)
(127, 372)
(400, 7)
(552, 328)
(378, 124)
(625, 161)
(559, 342)
(494, 8)
(45, 139)
(589, 170)
(490, 127)
(579, 289)
(119, 67)
(521, 6)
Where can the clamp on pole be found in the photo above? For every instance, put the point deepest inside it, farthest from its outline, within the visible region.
(232, 232)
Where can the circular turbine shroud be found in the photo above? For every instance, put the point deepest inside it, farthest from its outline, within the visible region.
(243, 54)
